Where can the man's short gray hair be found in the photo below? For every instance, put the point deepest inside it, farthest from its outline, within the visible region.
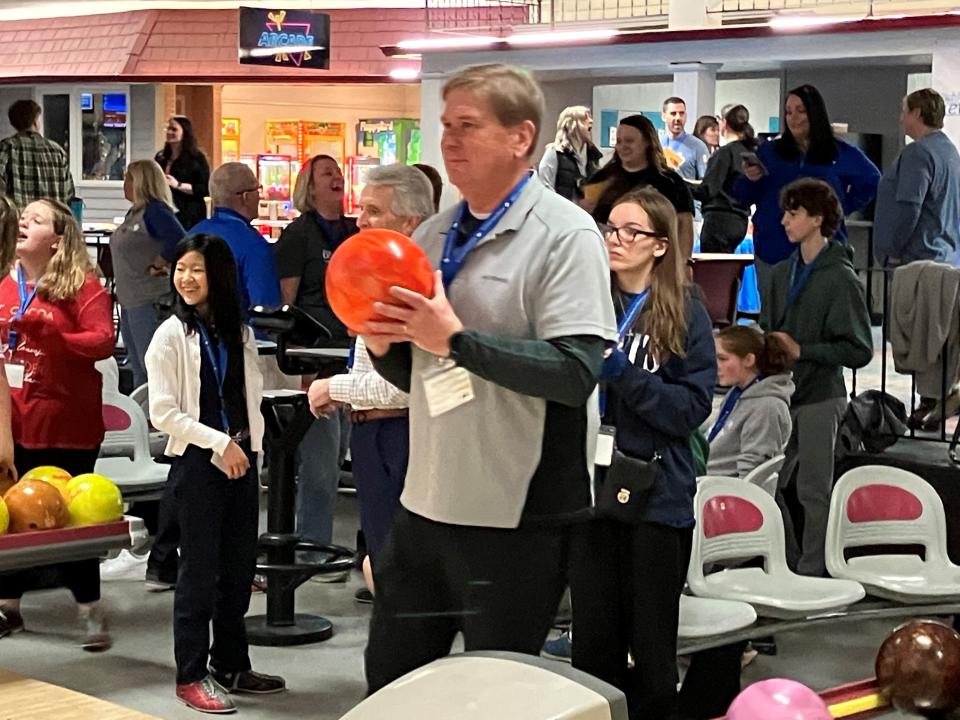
(412, 190)
(228, 180)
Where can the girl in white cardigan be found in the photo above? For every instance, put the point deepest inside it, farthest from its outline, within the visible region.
(205, 391)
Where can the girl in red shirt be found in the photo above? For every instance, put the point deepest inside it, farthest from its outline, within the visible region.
(55, 323)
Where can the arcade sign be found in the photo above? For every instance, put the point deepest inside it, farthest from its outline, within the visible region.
(284, 38)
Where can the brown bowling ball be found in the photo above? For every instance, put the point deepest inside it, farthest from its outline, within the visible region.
(918, 668)
(35, 505)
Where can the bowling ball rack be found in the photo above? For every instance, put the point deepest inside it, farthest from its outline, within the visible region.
(287, 417)
(46, 547)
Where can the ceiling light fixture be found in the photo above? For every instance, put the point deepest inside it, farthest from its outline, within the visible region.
(454, 43)
(799, 22)
(405, 73)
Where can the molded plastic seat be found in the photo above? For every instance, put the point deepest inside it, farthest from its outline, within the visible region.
(703, 617)
(127, 428)
(767, 474)
(737, 521)
(879, 505)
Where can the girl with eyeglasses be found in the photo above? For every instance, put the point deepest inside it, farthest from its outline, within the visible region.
(657, 384)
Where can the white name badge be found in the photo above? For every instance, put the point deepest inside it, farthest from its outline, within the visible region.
(604, 453)
(14, 375)
(446, 387)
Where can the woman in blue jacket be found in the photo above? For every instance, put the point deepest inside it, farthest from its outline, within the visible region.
(807, 148)
(626, 575)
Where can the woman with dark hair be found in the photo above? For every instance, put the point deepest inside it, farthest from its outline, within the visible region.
(707, 130)
(637, 162)
(186, 170)
(626, 573)
(724, 219)
(205, 391)
(807, 148)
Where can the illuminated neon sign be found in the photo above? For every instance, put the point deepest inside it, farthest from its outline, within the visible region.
(300, 38)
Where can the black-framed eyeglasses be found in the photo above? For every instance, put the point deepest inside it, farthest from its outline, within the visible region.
(257, 190)
(626, 235)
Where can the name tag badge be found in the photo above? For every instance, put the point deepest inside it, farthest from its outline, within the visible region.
(446, 387)
(604, 453)
(15, 373)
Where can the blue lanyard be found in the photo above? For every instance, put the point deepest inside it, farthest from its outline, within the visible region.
(728, 405)
(455, 257)
(352, 356)
(25, 301)
(219, 369)
(797, 283)
(623, 329)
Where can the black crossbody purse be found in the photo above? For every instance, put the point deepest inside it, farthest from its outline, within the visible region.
(626, 484)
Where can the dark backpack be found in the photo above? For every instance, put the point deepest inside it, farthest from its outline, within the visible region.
(873, 421)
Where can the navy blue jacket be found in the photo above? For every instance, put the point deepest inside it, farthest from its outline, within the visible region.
(656, 407)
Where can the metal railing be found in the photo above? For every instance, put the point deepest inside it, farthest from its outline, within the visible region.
(839, 7)
(501, 15)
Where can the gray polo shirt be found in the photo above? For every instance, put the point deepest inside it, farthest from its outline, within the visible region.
(542, 273)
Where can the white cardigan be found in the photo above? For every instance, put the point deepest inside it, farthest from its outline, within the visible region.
(173, 369)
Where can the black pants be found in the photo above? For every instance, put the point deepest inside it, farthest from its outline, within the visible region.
(712, 682)
(218, 553)
(722, 231)
(625, 585)
(500, 588)
(81, 577)
(163, 554)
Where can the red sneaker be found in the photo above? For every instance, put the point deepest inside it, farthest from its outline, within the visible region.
(206, 696)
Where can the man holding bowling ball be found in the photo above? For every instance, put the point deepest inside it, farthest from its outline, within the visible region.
(501, 365)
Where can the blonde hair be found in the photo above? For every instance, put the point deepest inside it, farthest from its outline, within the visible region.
(571, 122)
(68, 268)
(148, 183)
(664, 317)
(514, 96)
(303, 188)
(9, 229)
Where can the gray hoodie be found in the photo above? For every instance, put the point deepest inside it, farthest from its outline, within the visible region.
(757, 429)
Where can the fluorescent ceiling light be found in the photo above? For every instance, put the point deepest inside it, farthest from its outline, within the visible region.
(561, 37)
(449, 43)
(406, 73)
(797, 22)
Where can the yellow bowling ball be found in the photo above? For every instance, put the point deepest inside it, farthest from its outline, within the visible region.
(93, 499)
(4, 517)
(58, 477)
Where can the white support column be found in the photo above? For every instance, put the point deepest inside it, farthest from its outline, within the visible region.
(946, 81)
(696, 83)
(693, 15)
(431, 105)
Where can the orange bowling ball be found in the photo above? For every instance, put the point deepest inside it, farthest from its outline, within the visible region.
(35, 505)
(6, 482)
(57, 477)
(365, 267)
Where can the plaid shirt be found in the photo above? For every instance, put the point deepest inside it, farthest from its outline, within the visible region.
(32, 167)
(363, 388)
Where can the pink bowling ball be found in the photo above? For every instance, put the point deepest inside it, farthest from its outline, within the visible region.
(778, 699)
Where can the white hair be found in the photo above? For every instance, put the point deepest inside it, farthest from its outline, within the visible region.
(412, 189)
(229, 179)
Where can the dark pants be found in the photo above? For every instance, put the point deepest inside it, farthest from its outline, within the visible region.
(712, 682)
(722, 231)
(162, 562)
(82, 577)
(379, 450)
(500, 588)
(625, 584)
(218, 552)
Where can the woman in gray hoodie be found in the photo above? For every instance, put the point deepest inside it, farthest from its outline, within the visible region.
(753, 423)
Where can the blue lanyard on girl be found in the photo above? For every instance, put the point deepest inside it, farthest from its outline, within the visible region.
(25, 301)
(219, 366)
(455, 257)
(623, 328)
(728, 405)
(797, 283)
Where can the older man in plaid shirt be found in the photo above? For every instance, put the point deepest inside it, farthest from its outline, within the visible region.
(396, 197)
(31, 166)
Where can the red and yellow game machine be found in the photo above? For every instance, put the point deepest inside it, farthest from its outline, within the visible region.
(230, 140)
(302, 139)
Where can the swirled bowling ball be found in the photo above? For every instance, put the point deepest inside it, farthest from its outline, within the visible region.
(57, 477)
(35, 505)
(778, 699)
(365, 267)
(4, 517)
(918, 668)
(93, 499)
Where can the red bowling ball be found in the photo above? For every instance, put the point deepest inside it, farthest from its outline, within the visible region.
(918, 668)
(365, 267)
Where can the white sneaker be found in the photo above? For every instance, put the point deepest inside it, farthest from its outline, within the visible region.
(125, 566)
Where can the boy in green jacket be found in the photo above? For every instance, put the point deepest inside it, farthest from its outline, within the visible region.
(817, 307)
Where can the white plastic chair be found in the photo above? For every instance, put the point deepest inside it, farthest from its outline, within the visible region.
(111, 373)
(736, 521)
(158, 439)
(766, 475)
(703, 617)
(127, 428)
(881, 505)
